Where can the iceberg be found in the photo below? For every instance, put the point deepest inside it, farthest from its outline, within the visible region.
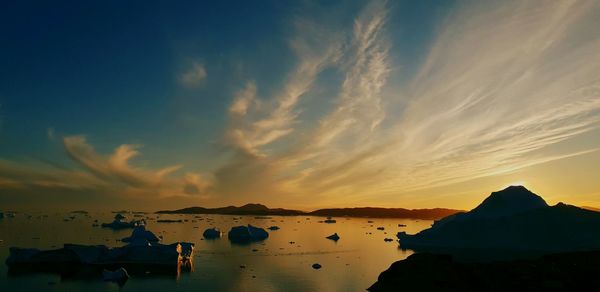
(143, 250)
(334, 237)
(141, 236)
(247, 234)
(212, 233)
(120, 223)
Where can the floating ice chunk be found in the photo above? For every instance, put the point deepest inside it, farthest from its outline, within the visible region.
(246, 234)
(118, 224)
(334, 237)
(141, 236)
(212, 233)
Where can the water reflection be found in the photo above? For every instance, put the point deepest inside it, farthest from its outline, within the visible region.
(350, 264)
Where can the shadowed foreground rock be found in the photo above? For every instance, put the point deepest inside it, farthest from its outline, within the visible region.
(429, 272)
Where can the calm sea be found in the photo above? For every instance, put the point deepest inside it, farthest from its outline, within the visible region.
(350, 264)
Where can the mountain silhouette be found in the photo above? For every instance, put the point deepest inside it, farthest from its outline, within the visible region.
(372, 212)
(507, 202)
(248, 209)
(512, 219)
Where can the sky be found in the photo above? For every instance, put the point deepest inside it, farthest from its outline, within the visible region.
(300, 104)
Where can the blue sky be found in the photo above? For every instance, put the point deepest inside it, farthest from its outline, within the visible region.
(110, 69)
(80, 79)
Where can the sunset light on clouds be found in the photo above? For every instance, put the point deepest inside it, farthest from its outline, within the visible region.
(347, 105)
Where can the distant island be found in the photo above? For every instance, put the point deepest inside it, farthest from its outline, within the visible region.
(368, 212)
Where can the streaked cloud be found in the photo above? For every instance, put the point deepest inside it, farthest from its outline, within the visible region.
(489, 99)
(109, 174)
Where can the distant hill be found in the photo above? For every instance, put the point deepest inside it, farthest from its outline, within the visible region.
(248, 209)
(512, 219)
(261, 210)
(425, 214)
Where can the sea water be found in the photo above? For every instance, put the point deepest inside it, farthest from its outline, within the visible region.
(283, 262)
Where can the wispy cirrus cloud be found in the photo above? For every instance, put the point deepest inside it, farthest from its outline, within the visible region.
(503, 86)
(488, 99)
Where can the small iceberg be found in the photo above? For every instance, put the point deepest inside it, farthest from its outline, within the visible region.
(334, 237)
(212, 233)
(141, 236)
(247, 234)
(119, 276)
(120, 223)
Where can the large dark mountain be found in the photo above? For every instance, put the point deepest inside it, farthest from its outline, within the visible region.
(512, 219)
(258, 209)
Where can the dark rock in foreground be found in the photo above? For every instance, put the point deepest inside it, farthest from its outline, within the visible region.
(430, 272)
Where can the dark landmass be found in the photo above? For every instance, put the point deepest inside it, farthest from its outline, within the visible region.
(248, 209)
(430, 272)
(512, 219)
(591, 208)
(372, 212)
(262, 210)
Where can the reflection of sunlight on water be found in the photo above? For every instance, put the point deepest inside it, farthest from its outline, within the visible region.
(353, 263)
(185, 264)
